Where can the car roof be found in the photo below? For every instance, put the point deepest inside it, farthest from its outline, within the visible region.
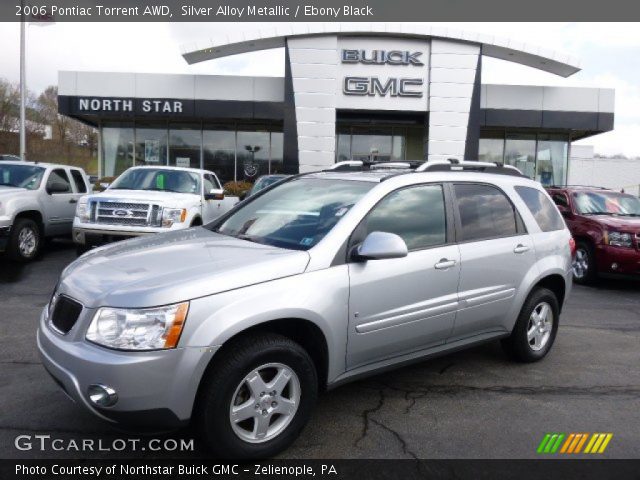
(167, 167)
(576, 188)
(39, 164)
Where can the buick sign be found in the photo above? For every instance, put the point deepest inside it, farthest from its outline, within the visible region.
(381, 57)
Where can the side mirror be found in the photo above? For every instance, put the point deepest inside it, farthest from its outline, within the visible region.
(57, 187)
(214, 194)
(380, 246)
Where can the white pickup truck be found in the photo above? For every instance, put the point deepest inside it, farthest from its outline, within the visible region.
(37, 200)
(146, 200)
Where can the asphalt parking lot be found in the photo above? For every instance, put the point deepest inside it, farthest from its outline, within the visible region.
(473, 404)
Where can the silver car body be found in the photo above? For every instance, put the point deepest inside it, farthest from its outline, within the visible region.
(371, 315)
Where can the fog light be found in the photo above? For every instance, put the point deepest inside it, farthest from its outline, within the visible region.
(614, 266)
(102, 396)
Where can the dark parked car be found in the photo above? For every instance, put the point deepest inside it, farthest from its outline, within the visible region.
(606, 227)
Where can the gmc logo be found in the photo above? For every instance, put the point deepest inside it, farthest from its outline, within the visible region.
(382, 57)
(372, 86)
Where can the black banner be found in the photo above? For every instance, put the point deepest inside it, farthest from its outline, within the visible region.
(329, 469)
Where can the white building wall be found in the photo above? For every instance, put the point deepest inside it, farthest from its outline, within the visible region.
(314, 73)
(453, 72)
(614, 173)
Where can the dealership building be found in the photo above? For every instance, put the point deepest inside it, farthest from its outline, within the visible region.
(384, 92)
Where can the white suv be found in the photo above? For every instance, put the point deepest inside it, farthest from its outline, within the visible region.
(146, 200)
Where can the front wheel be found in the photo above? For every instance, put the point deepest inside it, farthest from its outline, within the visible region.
(256, 397)
(536, 328)
(584, 264)
(25, 240)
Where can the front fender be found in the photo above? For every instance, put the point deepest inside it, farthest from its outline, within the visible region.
(320, 297)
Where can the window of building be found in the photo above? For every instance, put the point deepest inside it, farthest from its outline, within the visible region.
(542, 209)
(252, 154)
(485, 212)
(78, 179)
(552, 158)
(151, 145)
(185, 143)
(417, 214)
(491, 150)
(219, 151)
(520, 151)
(379, 143)
(59, 176)
(117, 149)
(277, 153)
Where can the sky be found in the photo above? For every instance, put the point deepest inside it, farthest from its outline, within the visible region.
(609, 54)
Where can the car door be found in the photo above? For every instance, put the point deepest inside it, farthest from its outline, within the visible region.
(495, 255)
(211, 207)
(60, 205)
(401, 305)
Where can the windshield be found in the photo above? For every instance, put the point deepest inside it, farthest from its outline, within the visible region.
(162, 180)
(295, 215)
(607, 203)
(23, 176)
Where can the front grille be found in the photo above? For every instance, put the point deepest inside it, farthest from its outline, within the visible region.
(65, 314)
(124, 213)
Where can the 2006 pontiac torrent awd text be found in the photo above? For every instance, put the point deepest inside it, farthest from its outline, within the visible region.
(318, 280)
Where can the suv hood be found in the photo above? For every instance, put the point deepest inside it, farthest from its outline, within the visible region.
(625, 224)
(146, 196)
(173, 267)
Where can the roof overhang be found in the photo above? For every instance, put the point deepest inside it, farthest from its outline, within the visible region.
(513, 51)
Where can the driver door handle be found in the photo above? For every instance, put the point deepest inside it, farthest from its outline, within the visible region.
(444, 264)
(520, 248)
(73, 200)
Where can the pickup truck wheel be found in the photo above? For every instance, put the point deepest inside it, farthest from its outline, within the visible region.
(584, 264)
(256, 397)
(25, 240)
(536, 327)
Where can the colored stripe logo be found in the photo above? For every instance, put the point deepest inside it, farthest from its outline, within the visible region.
(574, 443)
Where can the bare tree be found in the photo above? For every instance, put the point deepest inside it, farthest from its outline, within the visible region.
(9, 106)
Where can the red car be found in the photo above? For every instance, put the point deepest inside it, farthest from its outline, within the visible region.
(606, 227)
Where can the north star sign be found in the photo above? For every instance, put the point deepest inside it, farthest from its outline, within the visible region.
(129, 105)
(373, 86)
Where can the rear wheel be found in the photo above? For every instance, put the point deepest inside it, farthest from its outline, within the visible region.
(584, 265)
(257, 397)
(536, 328)
(25, 240)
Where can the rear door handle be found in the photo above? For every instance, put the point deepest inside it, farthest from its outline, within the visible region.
(444, 263)
(73, 200)
(520, 248)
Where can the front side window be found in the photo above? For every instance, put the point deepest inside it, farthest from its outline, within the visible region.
(295, 215)
(61, 177)
(416, 214)
(542, 209)
(607, 203)
(560, 199)
(485, 212)
(21, 176)
(163, 180)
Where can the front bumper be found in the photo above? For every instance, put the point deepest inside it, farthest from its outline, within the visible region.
(155, 388)
(618, 260)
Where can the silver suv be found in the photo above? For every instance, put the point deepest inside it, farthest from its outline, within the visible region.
(316, 281)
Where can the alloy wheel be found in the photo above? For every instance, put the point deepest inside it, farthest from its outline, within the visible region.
(580, 263)
(265, 402)
(540, 326)
(27, 242)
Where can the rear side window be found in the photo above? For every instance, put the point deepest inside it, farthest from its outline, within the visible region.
(416, 214)
(542, 209)
(79, 181)
(485, 212)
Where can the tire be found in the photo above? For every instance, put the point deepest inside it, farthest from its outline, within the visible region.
(25, 240)
(519, 344)
(584, 264)
(226, 384)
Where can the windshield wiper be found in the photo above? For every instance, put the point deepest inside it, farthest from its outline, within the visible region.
(156, 189)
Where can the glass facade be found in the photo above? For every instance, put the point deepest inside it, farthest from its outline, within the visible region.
(541, 156)
(381, 143)
(239, 152)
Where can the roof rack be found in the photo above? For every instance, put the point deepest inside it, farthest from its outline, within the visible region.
(450, 165)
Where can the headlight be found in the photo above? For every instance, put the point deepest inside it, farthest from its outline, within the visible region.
(618, 239)
(83, 211)
(173, 215)
(138, 329)
(1, 208)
